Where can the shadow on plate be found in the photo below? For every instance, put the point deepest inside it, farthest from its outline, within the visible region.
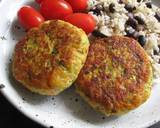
(33, 4)
(17, 32)
(80, 109)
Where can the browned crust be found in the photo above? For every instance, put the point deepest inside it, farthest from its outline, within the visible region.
(117, 74)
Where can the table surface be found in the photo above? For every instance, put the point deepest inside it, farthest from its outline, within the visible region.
(12, 118)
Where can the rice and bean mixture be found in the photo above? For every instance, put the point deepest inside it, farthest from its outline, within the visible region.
(139, 19)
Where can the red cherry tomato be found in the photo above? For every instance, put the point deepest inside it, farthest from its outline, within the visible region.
(38, 1)
(29, 17)
(55, 9)
(81, 20)
(78, 5)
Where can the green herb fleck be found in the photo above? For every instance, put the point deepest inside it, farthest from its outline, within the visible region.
(61, 63)
(54, 51)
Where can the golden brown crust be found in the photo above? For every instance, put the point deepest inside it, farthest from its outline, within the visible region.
(117, 75)
(49, 58)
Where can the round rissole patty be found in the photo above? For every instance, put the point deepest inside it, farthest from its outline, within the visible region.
(49, 58)
(117, 75)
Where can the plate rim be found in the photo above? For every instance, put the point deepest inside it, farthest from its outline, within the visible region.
(37, 120)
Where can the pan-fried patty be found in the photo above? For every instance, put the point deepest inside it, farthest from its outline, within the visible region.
(49, 58)
(117, 75)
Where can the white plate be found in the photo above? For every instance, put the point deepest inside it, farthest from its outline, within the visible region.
(67, 110)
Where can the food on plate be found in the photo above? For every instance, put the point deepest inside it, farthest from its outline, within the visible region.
(55, 9)
(81, 20)
(29, 17)
(49, 58)
(117, 75)
(139, 19)
(78, 6)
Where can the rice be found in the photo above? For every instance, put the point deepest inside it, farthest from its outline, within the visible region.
(139, 19)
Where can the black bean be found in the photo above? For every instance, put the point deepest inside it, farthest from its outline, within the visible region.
(121, 1)
(140, 20)
(96, 11)
(155, 52)
(132, 22)
(100, 7)
(130, 32)
(157, 15)
(112, 8)
(142, 40)
(96, 33)
(149, 5)
(129, 7)
(159, 47)
(138, 0)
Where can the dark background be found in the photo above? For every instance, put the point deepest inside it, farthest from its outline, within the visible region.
(11, 118)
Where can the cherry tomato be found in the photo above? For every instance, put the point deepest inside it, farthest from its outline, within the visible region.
(29, 17)
(38, 1)
(81, 20)
(55, 9)
(78, 5)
